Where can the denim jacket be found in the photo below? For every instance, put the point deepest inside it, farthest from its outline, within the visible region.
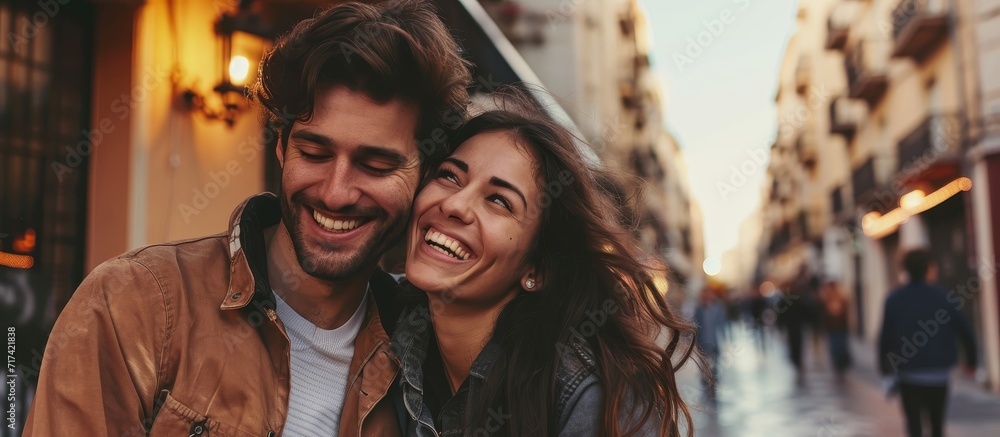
(578, 400)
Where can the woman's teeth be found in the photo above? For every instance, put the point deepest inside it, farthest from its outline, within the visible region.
(334, 225)
(446, 245)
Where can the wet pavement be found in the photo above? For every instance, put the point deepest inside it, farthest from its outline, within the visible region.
(758, 394)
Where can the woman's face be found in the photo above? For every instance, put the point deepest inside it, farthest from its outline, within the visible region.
(474, 223)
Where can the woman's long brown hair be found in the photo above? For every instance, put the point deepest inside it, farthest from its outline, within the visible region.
(592, 272)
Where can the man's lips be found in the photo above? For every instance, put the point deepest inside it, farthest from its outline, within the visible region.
(340, 223)
(332, 224)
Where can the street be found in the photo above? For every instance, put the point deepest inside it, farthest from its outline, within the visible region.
(758, 395)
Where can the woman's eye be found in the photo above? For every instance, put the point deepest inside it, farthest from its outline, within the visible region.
(502, 201)
(448, 176)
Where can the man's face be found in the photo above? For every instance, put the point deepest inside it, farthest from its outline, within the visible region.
(348, 179)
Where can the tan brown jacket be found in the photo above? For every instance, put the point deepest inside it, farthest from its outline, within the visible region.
(182, 337)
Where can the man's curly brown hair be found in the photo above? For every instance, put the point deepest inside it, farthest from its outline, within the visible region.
(396, 49)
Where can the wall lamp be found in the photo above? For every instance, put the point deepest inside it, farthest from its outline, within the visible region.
(244, 30)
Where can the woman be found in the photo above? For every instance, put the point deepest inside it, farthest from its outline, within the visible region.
(534, 314)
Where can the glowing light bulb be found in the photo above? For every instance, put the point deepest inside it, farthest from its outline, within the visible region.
(913, 200)
(239, 67)
(712, 266)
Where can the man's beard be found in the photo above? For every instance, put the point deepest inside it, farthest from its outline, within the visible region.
(328, 263)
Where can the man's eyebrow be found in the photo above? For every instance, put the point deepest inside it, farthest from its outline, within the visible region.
(504, 184)
(381, 152)
(312, 137)
(458, 163)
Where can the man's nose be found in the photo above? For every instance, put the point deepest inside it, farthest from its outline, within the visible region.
(341, 187)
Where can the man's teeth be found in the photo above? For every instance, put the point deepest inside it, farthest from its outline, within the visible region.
(334, 225)
(446, 245)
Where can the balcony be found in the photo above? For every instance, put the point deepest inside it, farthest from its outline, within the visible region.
(837, 201)
(934, 143)
(918, 27)
(839, 23)
(645, 164)
(805, 146)
(629, 91)
(780, 239)
(836, 35)
(866, 66)
(863, 181)
(846, 116)
(802, 72)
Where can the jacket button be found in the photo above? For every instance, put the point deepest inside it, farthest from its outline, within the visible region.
(270, 434)
(197, 429)
(237, 296)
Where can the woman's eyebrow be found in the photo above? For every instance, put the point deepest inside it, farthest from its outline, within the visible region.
(458, 163)
(504, 184)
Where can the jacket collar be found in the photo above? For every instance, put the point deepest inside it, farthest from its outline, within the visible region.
(247, 252)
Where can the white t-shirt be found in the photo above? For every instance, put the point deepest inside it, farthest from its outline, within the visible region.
(321, 360)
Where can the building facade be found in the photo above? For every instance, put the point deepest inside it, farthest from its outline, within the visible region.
(885, 141)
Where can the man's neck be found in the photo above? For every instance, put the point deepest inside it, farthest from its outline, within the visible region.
(326, 304)
(461, 335)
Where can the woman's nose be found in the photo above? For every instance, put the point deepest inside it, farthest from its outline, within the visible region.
(459, 206)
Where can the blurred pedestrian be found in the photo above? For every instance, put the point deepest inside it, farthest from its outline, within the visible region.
(917, 345)
(758, 304)
(732, 306)
(835, 313)
(710, 318)
(791, 316)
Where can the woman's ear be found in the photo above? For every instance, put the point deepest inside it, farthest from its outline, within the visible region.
(532, 280)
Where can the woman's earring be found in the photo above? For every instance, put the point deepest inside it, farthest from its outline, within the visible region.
(529, 283)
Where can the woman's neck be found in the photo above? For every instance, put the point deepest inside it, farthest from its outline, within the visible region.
(461, 335)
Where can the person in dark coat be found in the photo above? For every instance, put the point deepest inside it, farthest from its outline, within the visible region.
(921, 328)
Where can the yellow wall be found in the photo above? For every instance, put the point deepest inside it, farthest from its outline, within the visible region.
(108, 172)
(194, 170)
(165, 172)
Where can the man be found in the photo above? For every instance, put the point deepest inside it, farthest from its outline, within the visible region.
(279, 325)
(917, 346)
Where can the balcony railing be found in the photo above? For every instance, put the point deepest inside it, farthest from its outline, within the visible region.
(918, 27)
(846, 116)
(866, 66)
(863, 181)
(938, 138)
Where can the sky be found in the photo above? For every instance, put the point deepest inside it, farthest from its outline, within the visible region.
(718, 61)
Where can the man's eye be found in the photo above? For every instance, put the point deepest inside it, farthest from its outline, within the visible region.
(379, 169)
(312, 157)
